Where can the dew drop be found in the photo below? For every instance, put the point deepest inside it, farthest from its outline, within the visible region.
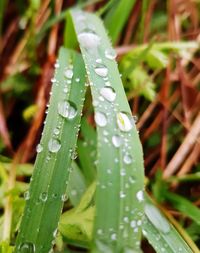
(53, 80)
(110, 54)
(122, 195)
(68, 73)
(114, 237)
(98, 60)
(131, 179)
(26, 195)
(64, 197)
(108, 93)
(56, 65)
(67, 110)
(43, 196)
(101, 71)
(54, 145)
(100, 119)
(56, 131)
(39, 148)
(140, 196)
(27, 247)
(124, 122)
(156, 218)
(89, 39)
(117, 141)
(127, 159)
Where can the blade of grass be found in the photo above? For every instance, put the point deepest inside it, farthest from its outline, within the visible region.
(120, 176)
(160, 233)
(184, 206)
(117, 17)
(50, 177)
(87, 151)
(77, 184)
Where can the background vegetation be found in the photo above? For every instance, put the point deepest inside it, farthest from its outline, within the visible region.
(157, 46)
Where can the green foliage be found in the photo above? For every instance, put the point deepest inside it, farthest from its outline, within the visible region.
(119, 165)
(48, 184)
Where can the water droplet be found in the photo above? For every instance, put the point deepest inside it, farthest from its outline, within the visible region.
(77, 79)
(131, 179)
(56, 65)
(117, 141)
(67, 110)
(123, 172)
(43, 196)
(54, 145)
(27, 247)
(100, 119)
(122, 195)
(133, 224)
(89, 39)
(56, 131)
(127, 159)
(110, 54)
(114, 237)
(156, 218)
(53, 80)
(140, 195)
(98, 60)
(39, 148)
(68, 73)
(124, 122)
(26, 195)
(64, 197)
(108, 93)
(101, 71)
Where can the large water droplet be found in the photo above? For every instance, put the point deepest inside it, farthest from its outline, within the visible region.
(100, 119)
(68, 73)
(39, 148)
(117, 141)
(156, 218)
(101, 70)
(67, 110)
(110, 54)
(127, 159)
(108, 93)
(124, 122)
(89, 40)
(54, 145)
(27, 247)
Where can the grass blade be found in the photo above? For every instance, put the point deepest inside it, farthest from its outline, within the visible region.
(50, 177)
(184, 206)
(160, 233)
(117, 17)
(120, 179)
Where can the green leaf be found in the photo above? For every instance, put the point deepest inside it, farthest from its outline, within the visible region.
(77, 184)
(160, 233)
(50, 177)
(184, 206)
(87, 151)
(76, 224)
(120, 174)
(117, 17)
